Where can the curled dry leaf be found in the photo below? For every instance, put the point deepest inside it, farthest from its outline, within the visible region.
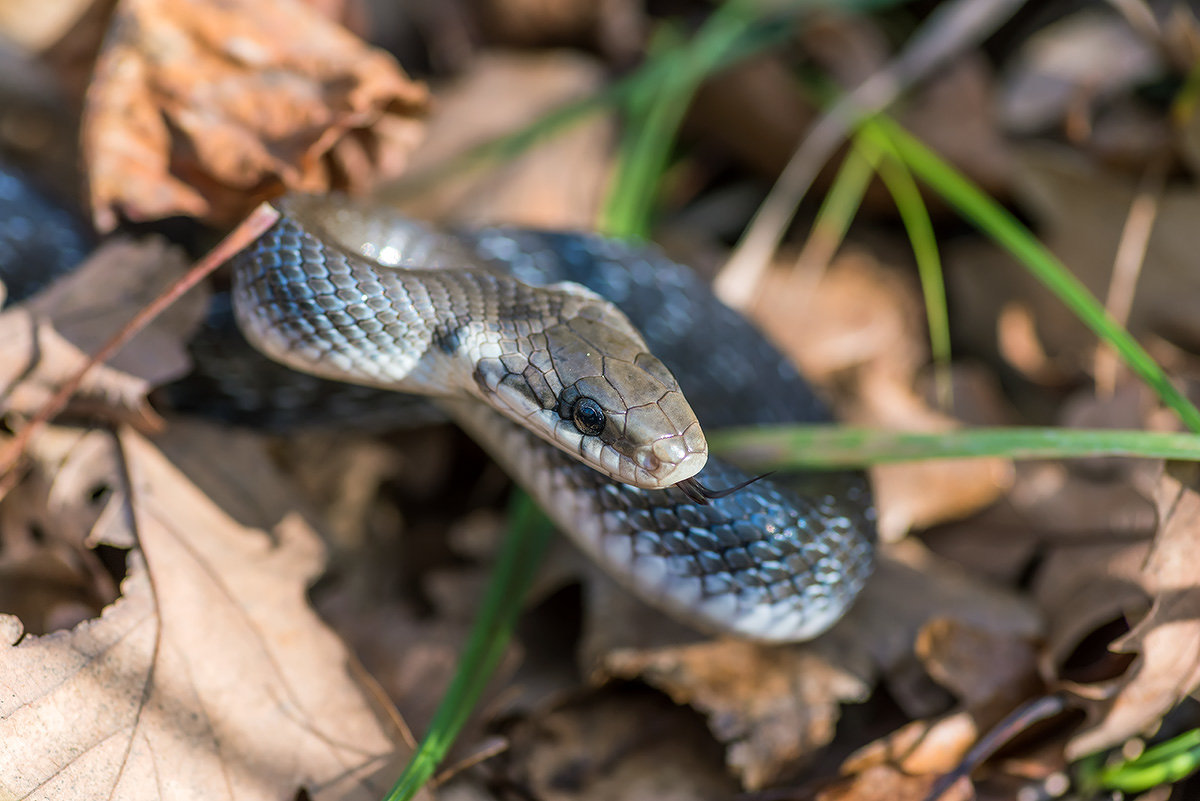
(209, 677)
(1166, 642)
(49, 523)
(203, 109)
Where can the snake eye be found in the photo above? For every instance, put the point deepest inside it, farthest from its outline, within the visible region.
(588, 417)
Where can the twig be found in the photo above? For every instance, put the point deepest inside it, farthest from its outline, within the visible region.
(250, 229)
(1018, 720)
(1127, 266)
(493, 746)
(948, 31)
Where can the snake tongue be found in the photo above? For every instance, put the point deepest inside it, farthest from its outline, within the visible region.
(700, 494)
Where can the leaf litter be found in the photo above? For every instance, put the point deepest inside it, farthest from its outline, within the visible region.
(210, 675)
(160, 585)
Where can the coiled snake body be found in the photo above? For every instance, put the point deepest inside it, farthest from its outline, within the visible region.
(766, 562)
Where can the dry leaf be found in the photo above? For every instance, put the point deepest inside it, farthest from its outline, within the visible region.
(53, 579)
(919, 495)
(1088, 591)
(860, 335)
(990, 672)
(36, 361)
(772, 707)
(885, 783)
(1082, 209)
(527, 189)
(1166, 668)
(105, 292)
(203, 109)
(34, 24)
(617, 27)
(1094, 55)
(49, 337)
(922, 747)
(911, 587)
(620, 744)
(209, 677)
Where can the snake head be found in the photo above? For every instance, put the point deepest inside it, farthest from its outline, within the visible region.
(589, 385)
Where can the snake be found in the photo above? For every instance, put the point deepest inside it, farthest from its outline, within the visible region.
(587, 367)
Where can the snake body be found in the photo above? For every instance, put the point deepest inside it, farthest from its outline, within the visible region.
(768, 562)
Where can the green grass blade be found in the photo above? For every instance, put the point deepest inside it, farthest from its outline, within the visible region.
(656, 114)
(760, 36)
(829, 447)
(915, 217)
(842, 202)
(994, 220)
(1162, 764)
(529, 533)
(652, 117)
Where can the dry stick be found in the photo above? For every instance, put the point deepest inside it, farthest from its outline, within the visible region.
(1127, 266)
(1140, 17)
(491, 747)
(948, 31)
(1017, 721)
(250, 229)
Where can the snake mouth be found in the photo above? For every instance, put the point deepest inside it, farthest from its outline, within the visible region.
(662, 475)
(699, 494)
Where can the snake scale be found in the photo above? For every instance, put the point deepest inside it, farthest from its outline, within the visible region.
(768, 562)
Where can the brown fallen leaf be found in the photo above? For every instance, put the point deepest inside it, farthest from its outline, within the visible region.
(1165, 667)
(618, 744)
(527, 189)
(49, 337)
(617, 27)
(104, 293)
(886, 783)
(52, 579)
(990, 672)
(773, 707)
(1082, 208)
(912, 587)
(919, 495)
(861, 337)
(919, 748)
(204, 109)
(37, 360)
(34, 25)
(210, 676)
